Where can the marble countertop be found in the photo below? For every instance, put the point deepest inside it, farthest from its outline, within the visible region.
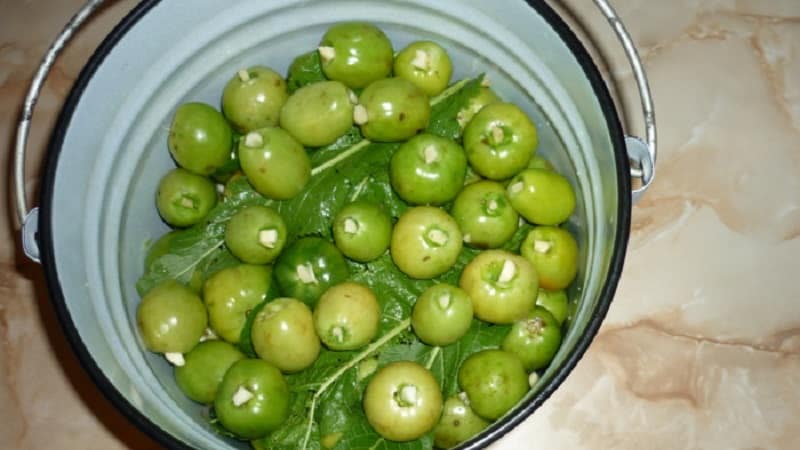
(701, 348)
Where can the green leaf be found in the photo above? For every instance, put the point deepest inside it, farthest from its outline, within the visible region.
(444, 113)
(305, 69)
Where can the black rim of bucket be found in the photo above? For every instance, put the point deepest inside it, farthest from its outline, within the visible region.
(498, 429)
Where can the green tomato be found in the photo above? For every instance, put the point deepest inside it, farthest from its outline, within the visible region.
(484, 215)
(494, 381)
(426, 242)
(428, 170)
(317, 114)
(554, 253)
(500, 141)
(458, 423)
(184, 198)
(535, 339)
(541, 196)
(347, 316)
(556, 302)
(253, 399)
(200, 138)
(232, 293)
(171, 318)
(275, 163)
(392, 110)
(253, 98)
(486, 96)
(426, 64)
(362, 230)
(308, 267)
(205, 366)
(403, 401)
(356, 54)
(503, 286)
(441, 315)
(283, 335)
(256, 234)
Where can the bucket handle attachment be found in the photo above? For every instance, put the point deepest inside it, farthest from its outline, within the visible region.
(642, 153)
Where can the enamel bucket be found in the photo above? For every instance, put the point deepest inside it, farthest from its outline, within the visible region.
(107, 154)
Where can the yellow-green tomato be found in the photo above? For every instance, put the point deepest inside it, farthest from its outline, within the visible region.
(503, 286)
(542, 196)
(185, 198)
(362, 230)
(171, 318)
(392, 110)
(485, 215)
(535, 339)
(441, 315)
(253, 399)
(458, 423)
(200, 138)
(205, 366)
(256, 234)
(347, 316)
(500, 141)
(426, 242)
(426, 64)
(403, 401)
(356, 53)
(319, 113)
(253, 98)
(554, 253)
(428, 170)
(494, 381)
(232, 293)
(275, 163)
(283, 335)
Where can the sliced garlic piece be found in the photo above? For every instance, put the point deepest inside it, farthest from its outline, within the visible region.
(176, 359)
(242, 396)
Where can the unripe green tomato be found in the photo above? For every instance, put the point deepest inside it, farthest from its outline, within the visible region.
(554, 253)
(485, 215)
(253, 98)
(458, 423)
(356, 53)
(283, 335)
(185, 198)
(362, 230)
(500, 141)
(541, 196)
(426, 64)
(205, 366)
(231, 294)
(428, 170)
(317, 114)
(200, 138)
(494, 381)
(503, 286)
(253, 399)
(392, 110)
(347, 316)
(275, 163)
(535, 339)
(426, 242)
(441, 315)
(256, 234)
(171, 318)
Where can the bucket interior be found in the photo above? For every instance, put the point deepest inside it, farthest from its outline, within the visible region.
(110, 152)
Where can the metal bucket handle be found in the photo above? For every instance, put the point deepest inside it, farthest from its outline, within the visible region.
(641, 152)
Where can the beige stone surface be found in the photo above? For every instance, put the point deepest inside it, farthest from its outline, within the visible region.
(701, 349)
